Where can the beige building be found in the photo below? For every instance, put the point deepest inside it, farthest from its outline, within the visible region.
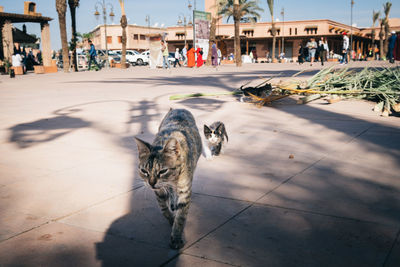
(255, 37)
(137, 37)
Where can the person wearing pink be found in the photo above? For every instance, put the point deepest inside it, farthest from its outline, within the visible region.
(199, 53)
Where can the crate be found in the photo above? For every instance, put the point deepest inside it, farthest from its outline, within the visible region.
(18, 70)
(38, 69)
(50, 69)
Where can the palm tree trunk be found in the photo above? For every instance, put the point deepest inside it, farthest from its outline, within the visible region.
(273, 32)
(373, 43)
(213, 29)
(72, 8)
(124, 23)
(61, 10)
(236, 19)
(386, 42)
(381, 48)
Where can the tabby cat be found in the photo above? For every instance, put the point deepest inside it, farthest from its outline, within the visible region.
(215, 135)
(168, 165)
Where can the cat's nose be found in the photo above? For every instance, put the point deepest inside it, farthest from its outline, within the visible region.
(152, 182)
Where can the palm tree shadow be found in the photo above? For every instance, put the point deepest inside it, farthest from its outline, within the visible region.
(45, 130)
(141, 236)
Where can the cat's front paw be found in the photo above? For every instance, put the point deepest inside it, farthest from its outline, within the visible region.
(176, 242)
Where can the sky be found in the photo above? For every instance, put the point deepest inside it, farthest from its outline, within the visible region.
(167, 12)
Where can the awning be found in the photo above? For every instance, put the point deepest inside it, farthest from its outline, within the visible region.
(311, 27)
(22, 38)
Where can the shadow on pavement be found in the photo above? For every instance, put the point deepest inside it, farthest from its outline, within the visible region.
(328, 211)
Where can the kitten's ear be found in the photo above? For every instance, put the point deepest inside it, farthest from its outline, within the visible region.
(172, 148)
(143, 147)
(207, 130)
(220, 129)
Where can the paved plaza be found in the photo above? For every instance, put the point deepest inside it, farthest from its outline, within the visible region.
(70, 194)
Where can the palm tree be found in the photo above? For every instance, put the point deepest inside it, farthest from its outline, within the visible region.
(213, 28)
(375, 16)
(73, 4)
(273, 28)
(386, 10)
(124, 24)
(382, 23)
(61, 6)
(239, 9)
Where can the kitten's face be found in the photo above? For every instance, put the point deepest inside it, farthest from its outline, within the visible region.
(214, 136)
(159, 166)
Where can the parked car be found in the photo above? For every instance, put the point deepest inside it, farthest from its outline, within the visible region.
(136, 58)
(171, 58)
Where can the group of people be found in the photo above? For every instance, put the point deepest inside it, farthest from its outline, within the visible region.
(313, 51)
(24, 59)
(189, 56)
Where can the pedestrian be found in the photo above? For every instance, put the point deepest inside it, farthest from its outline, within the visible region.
(177, 58)
(312, 49)
(214, 55)
(392, 42)
(165, 54)
(323, 49)
(191, 57)
(184, 55)
(199, 53)
(302, 55)
(92, 55)
(396, 50)
(255, 56)
(251, 56)
(345, 49)
(219, 53)
(16, 59)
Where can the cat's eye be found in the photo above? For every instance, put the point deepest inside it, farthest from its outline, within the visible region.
(144, 172)
(162, 172)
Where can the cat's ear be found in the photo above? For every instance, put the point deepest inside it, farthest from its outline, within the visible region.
(172, 148)
(143, 147)
(207, 130)
(220, 129)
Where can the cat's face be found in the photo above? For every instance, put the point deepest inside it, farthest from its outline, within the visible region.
(214, 136)
(159, 166)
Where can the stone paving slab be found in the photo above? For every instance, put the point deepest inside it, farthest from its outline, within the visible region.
(70, 167)
(393, 259)
(142, 221)
(56, 244)
(265, 236)
(186, 260)
(361, 182)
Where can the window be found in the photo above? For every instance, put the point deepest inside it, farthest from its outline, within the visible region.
(290, 31)
(295, 31)
(142, 37)
(135, 37)
(248, 33)
(109, 39)
(120, 39)
(180, 35)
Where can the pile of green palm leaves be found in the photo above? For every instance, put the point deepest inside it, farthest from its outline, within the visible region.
(379, 85)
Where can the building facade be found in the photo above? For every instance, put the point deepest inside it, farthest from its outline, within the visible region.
(255, 37)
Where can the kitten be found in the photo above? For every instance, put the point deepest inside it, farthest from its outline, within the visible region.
(260, 91)
(215, 135)
(167, 166)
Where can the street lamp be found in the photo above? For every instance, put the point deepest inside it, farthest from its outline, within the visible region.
(103, 6)
(351, 29)
(194, 24)
(184, 24)
(283, 30)
(147, 19)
